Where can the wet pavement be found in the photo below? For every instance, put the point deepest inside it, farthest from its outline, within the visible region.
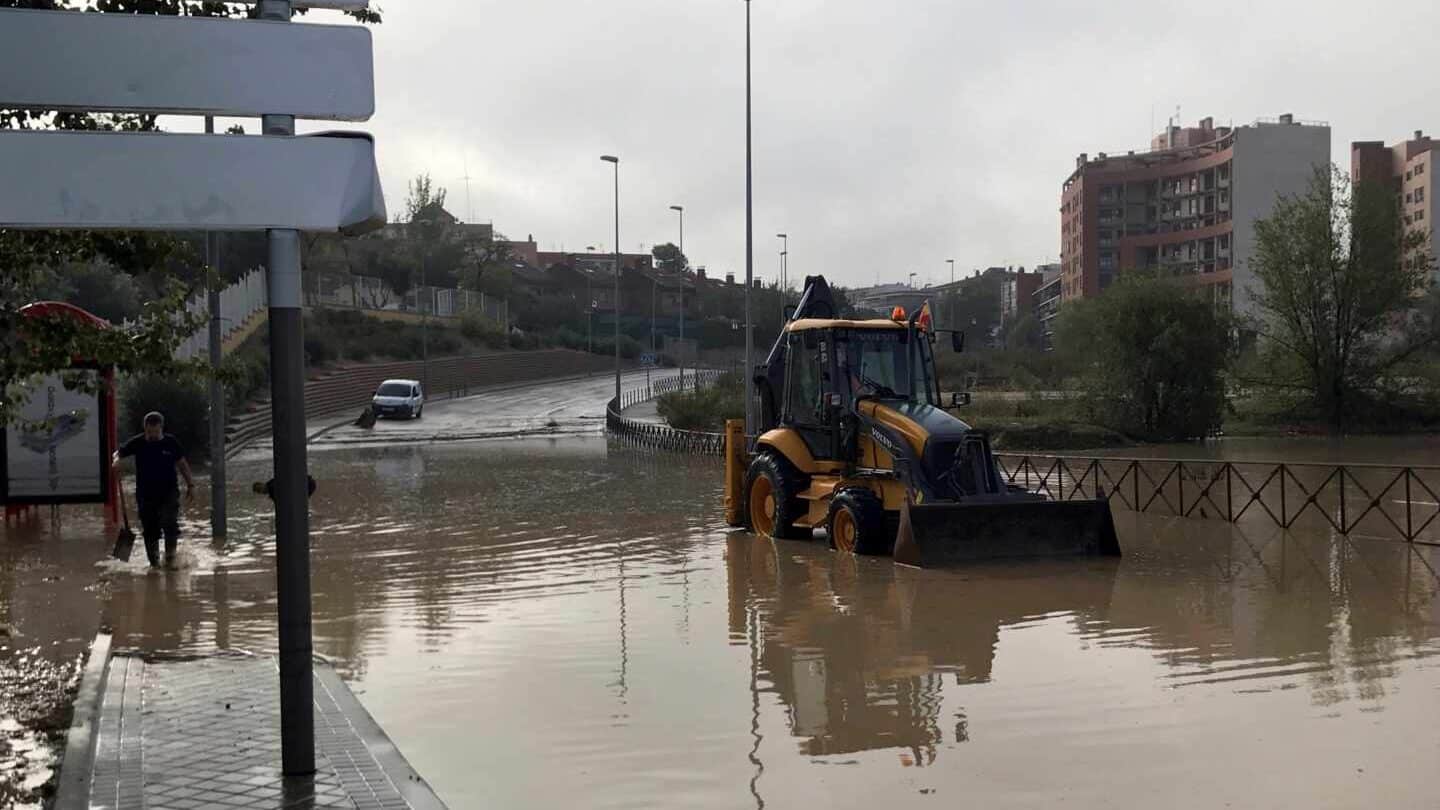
(563, 621)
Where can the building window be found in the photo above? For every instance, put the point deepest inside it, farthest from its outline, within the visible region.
(1419, 195)
(1409, 174)
(1408, 196)
(1419, 169)
(1420, 215)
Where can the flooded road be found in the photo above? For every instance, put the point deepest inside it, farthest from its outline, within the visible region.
(565, 622)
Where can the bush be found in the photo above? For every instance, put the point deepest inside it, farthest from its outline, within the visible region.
(184, 403)
(482, 330)
(706, 409)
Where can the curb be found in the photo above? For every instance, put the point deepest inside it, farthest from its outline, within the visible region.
(73, 784)
(233, 450)
(476, 393)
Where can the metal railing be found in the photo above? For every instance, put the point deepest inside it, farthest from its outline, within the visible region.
(1374, 499)
(239, 302)
(660, 436)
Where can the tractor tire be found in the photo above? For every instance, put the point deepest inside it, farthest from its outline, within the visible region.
(856, 523)
(772, 497)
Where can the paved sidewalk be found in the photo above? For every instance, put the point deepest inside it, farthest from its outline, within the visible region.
(644, 412)
(180, 733)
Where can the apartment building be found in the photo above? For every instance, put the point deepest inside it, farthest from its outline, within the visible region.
(1407, 168)
(1187, 206)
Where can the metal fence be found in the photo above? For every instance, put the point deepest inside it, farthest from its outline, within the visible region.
(660, 436)
(344, 290)
(1362, 499)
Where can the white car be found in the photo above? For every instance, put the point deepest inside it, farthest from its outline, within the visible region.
(399, 398)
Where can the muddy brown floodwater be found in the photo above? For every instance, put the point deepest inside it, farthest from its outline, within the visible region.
(568, 623)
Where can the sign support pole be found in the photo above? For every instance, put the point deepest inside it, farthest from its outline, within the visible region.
(291, 492)
(217, 391)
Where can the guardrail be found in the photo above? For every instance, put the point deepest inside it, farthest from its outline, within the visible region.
(1378, 499)
(663, 437)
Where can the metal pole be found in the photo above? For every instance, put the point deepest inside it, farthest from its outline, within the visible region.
(217, 390)
(750, 419)
(292, 510)
(654, 285)
(424, 321)
(616, 161)
(680, 209)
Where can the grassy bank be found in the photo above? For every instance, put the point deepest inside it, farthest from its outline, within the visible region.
(1034, 423)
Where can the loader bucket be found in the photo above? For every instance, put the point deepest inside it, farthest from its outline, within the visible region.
(936, 535)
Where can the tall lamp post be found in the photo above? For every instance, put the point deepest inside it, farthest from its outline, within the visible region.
(749, 247)
(951, 262)
(784, 273)
(616, 161)
(680, 209)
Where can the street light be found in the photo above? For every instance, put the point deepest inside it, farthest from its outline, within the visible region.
(784, 273)
(749, 246)
(912, 280)
(616, 161)
(951, 262)
(680, 209)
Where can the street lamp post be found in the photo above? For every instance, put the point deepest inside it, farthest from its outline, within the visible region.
(749, 246)
(616, 162)
(680, 209)
(912, 281)
(784, 273)
(951, 262)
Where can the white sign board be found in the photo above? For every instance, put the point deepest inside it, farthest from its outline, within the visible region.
(152, 181)
(55, 450)
(185, 65)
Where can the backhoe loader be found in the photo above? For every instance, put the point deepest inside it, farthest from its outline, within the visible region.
(852, 437)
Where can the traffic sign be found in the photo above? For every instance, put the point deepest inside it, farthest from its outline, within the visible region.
(151, 181)
(185, 65)
(649, 359)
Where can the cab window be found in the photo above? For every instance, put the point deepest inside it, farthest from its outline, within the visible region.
(803, 401)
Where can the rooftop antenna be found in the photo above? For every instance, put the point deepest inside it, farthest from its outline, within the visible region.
(469, 212)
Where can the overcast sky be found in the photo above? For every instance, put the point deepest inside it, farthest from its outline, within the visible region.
(889, 136)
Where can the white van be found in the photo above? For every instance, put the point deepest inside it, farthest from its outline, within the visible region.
(399, 398)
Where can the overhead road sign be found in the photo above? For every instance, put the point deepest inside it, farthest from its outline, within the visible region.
(185, 65)
(152, 181)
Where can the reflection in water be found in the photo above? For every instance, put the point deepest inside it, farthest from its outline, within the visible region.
(858, 649)
(585, 606)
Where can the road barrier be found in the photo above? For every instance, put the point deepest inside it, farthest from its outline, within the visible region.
(659, 436)
(1362, 499)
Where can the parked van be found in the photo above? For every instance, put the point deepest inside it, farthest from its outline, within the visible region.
(399, 398)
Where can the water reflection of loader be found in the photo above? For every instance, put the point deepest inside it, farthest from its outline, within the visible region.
(859, 652)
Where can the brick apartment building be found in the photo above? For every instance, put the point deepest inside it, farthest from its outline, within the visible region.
(1407, 168)
(1187, 206)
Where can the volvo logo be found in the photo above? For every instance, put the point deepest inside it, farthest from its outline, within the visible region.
(884, 441)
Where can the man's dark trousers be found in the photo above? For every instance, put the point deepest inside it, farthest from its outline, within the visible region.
(160, 514)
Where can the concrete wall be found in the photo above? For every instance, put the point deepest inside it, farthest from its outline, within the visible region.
(1270, 160)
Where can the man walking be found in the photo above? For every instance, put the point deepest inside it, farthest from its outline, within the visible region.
(157, 493)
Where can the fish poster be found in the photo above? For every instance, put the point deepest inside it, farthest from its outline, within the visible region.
(53, 449)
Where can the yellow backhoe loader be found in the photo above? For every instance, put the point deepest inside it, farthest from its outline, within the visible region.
(853, 438)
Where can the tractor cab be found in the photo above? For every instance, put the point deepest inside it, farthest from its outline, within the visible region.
(830, 367)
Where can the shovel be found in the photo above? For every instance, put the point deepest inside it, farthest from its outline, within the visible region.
(125, 539)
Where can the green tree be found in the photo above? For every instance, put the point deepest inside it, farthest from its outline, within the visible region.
(1150, 357)
(1024, 333)
(669, 258)
(1341, 277)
